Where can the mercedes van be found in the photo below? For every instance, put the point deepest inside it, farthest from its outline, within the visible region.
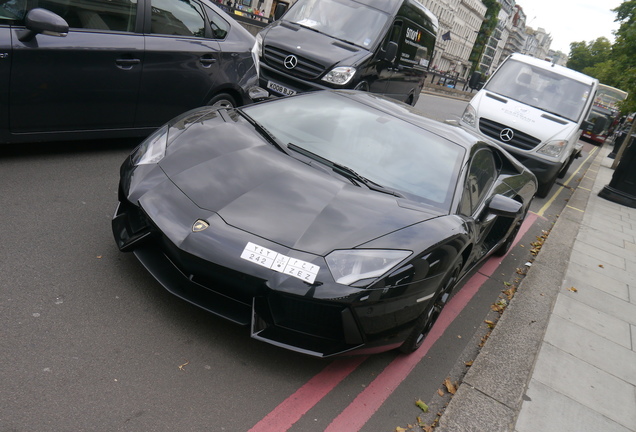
(535, 110)
(381, 46)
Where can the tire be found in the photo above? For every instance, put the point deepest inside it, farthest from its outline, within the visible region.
(506, 245)
(222, 100)
(424, 322)
(544, 188)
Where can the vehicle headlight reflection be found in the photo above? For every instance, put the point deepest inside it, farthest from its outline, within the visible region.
(152, 149)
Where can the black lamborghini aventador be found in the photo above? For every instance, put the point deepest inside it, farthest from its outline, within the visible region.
(334, 222)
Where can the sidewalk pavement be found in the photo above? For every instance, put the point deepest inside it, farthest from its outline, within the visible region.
(563, 355)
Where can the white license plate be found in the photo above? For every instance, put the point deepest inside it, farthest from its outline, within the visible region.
(280, 89)
(270, 259)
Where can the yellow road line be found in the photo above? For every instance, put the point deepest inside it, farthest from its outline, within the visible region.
(556, 194)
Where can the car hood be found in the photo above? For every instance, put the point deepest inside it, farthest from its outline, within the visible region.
(315, 46)
(257, 188)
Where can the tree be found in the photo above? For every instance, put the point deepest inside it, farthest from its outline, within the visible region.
(624, 53)
(584, 55)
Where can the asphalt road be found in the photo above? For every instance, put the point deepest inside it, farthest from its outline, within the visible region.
(90, 342)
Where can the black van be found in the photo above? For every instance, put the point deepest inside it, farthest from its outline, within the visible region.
(382, 46)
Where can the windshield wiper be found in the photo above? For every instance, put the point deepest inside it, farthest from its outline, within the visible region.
(263, 131)
(344, 171)
(326, 34)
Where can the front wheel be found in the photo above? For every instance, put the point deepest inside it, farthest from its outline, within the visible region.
(544, 188)
(425, 322)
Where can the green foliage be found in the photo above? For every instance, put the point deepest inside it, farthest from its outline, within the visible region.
(487, 27)
(614, 65)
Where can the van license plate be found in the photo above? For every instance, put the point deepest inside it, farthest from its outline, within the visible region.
(280, 89)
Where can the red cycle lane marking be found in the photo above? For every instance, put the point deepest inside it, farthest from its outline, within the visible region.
(296, 405)
(367, 403)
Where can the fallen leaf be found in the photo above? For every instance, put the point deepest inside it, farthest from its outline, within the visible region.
(99, 256)
(399, 429)
(489, 323)
(601, 266)
(469, 363)
(450, 387)
(181, 367)
(422, 405)
(573, 289)
(440, 392)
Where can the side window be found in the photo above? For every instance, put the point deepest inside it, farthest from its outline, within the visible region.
(12, 11)
(481, 176)
(177, 18)
(115, 15)
(219, 26)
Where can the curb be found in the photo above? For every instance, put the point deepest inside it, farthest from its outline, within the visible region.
(490, 395)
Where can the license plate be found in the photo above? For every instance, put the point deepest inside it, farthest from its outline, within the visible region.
(280, 89)
(270, 259)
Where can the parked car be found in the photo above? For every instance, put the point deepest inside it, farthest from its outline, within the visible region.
(90, 68)
(330, 222)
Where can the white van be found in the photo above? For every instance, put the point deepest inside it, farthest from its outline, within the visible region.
(535, 110)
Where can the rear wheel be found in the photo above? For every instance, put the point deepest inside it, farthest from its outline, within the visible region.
(425, 322)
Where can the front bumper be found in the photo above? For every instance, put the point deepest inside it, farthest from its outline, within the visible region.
(321, 320)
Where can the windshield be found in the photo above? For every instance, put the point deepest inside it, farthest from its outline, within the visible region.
(379, 147)
(541, 88)
(342, 19)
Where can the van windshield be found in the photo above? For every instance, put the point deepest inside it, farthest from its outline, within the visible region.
(540, 88)
(346, 20)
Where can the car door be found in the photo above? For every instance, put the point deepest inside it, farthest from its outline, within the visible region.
(182, 63)
(5, 69)
(88, 80)
(481, 176)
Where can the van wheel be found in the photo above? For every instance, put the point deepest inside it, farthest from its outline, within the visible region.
(222, 100)
(544, 188)
(362, 86)
(425, 322)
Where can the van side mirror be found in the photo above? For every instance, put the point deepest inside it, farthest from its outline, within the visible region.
(43, 21)
(280, 10)
(391, 52)
(475, 81)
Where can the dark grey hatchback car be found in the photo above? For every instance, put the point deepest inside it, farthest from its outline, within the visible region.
(78, 69)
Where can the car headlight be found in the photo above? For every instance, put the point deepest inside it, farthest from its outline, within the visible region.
(350, 266)
(152, 149)
(257, 52)
(470, 116)
(340, 75)
(553, 148)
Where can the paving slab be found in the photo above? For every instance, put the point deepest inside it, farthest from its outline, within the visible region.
(588, 317)
(548, 410)
(587, 385)
(596, 350)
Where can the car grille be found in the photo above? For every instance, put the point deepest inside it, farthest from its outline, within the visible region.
(307, 69)
(520, 140)
(222, 280)
(310, 317)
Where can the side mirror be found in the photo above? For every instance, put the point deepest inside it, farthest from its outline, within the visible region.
(280, 10)
(43, 21)
(391, 52)
(503, 206)
(475, 80)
